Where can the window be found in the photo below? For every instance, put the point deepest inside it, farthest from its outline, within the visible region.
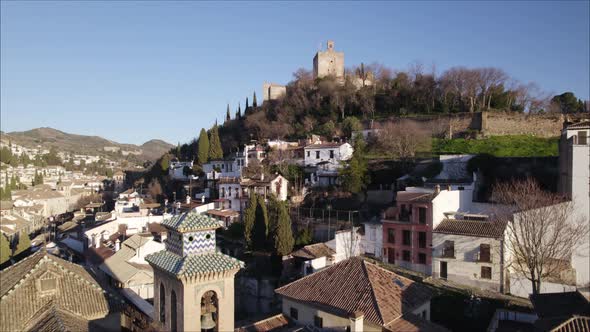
(406, 256)
(582, 137)
(162, 304)
(391, 235)
(407, 238)
(486, 272)
(308, 153)
(318, 321)
(448, 249)
(404, 214)
(317, 155)
(422, 215)
(484, 253)
(331, 154)
(294, 313)
(423, 314)
(422, 239)
(421, 258)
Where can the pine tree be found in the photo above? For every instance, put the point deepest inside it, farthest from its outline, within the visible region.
(254, 103)
(203, 147)
(283, 235)
(215, 151)
(5, 251)
(249, 217)
(227, 115)
(260, 228)
(24, 243)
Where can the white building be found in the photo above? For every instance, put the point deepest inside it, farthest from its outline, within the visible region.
(324, 160)
(469, 249)
(176, 171)
(128, 269)
(372, 242)
(235, 191)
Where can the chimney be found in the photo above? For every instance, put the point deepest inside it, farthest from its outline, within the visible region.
(356, 321)
(97, 241)
(117, 245)
(437, 189)
(188, 199)
(449, 187)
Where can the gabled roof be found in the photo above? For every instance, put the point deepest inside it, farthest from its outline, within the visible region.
(585, 124)
(314, 251)
(324, 145)
(190, 221)
(480, 228)
(54, 319)
(356, 285)
(560, 304)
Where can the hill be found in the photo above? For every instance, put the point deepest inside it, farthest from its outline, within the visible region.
(83, 144)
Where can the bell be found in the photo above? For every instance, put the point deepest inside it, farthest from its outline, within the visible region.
(207, 322)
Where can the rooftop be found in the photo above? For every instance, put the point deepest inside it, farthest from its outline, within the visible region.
(314, 251)
(356, 285)
(190, 221)
(479, 228)
(192, 265)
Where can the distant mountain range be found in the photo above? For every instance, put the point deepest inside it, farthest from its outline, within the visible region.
(82, 144)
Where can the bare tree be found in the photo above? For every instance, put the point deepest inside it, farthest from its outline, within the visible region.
(543, 230)
(403, 140)
(155, 189)
(281, 159)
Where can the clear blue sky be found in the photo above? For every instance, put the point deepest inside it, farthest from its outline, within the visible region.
(132, 71)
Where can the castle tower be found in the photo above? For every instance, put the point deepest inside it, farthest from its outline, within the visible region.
(328, 63)
(193, 284)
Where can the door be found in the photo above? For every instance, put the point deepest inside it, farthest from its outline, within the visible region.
(443, 270)
(390, 255)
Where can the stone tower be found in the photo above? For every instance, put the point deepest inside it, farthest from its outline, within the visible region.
(193, 284)
(328, 63)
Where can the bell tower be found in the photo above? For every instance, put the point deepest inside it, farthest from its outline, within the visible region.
(193, 283)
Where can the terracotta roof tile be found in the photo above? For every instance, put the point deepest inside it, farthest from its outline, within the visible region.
(314, 251)
(479, 228)
(412, 323)
(356, 285)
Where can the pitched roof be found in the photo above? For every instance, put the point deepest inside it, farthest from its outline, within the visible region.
(191, 265)
(314, 251)
(479, 228)
(267, 324)
(324, 145)
(412, 323)
(118, 265)
(356, 285)
(190, 221)
(54, 319)
(560, 304)
(585, 124)
(75, 292)
(410, 196)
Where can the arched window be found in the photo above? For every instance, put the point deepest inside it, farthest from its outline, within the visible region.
(173, 323)
(162, 303)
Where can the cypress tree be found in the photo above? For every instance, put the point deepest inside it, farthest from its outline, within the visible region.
(7, 194)
(283, 237)
(254, 103)
(24, 243)
(5, 250)
(203, 147)
(227, 115)
(239, 109)
(1, 194)
(260, 228)
(215, 151)
(249, 217)
(246, 108)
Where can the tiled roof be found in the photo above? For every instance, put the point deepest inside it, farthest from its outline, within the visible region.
(485, 228)
(560, 304)
(408, 196)
(54, 319)
(190, 221)
(356, 285)
(412, 323)
(76, 291)
(323, 145)
(314, 251)
(579, 125)
(193, 264)
(267, 324)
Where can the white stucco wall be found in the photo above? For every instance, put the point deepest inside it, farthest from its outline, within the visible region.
(342, 152)
(372, 242)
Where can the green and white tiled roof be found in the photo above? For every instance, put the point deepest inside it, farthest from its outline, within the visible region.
(190, 221)
(193, 264)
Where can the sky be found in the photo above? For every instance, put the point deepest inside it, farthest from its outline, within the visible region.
(131, 71)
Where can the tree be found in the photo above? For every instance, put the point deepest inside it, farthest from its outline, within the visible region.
(260, 228)
(203, 147)
(350, 125)
(543, 230)
(155, 189)
(354, 175)
(568, 103)
(165, 163)
(403, 140)
(283, 234)
(227, 115)
(24, 243)
(247, 106)
(304, 237)
(215, 151)
(254, 102)
(5, 251)
(249, 218)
